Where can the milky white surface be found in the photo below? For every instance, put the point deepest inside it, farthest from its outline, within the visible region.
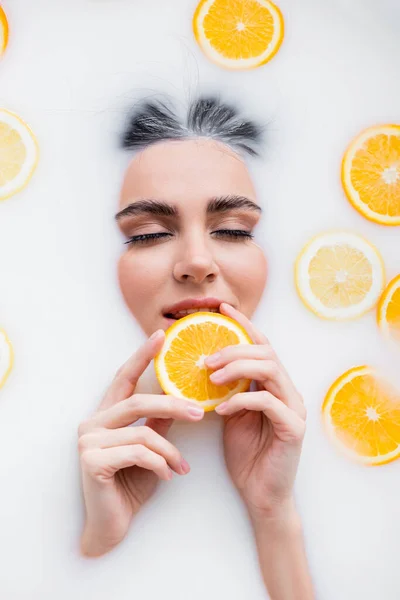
(72, 69)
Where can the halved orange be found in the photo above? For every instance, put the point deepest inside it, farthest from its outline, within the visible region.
(361, 413)
(389, 310)
(238, 34)
(180, 367)
(3, 31)
(6, 357)
(371, 174)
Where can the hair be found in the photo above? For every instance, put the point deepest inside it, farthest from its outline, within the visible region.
(157, 121)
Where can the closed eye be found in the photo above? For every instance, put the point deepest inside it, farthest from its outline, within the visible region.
(229, 234)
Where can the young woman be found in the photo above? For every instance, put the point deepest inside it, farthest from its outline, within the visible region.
(188, 210)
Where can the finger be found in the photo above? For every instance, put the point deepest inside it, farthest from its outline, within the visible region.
(239, 351)
(287, 424)
(126, 379)
(103, 464)
(267, 373)
(254, 333)
(138, 406)
(110, 438)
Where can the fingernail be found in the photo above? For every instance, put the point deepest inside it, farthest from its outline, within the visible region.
(155, 334)
(221, 407)
(195, 411)
(213, 359)
(185, 466)
(218, 375)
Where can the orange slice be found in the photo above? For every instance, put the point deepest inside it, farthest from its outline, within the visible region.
(362, 415)
(3, 31)
(339, 275)
(180, 367)
(19, 154)
(389, 310)
(238, 34)
(6, 357)
(371, 174)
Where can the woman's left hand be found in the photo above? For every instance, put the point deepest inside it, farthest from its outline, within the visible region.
(264, 429)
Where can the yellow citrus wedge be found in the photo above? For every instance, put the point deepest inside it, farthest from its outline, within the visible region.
(339, 275)
(6, 357)
(238, 34)
(371, 174)
(19, 154)
(180, 367)
(3, 31)
(389, 310)
(361, 413)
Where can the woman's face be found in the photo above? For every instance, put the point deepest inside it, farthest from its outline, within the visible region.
(187, 211)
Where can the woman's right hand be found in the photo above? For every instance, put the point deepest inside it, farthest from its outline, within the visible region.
(121, 464)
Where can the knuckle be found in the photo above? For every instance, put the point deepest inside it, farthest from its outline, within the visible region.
(90, 460)
(299, 432)
(139, 451)
(83, 443)
(135, 401)
(84, 427)
(143, 434)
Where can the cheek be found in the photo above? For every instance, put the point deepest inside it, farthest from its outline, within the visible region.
(138, 282)
(248, 272)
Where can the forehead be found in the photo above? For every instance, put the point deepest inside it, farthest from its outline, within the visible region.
(178, 171)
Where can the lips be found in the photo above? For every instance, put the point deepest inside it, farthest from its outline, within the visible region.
(190, 306)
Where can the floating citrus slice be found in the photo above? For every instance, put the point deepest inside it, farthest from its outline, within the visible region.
(339, 275)
(238, 34)
(18, 154)
(180, 367)
(371, 174)
(6, 357)
(362, 415)
(3, 31)
(389, 310)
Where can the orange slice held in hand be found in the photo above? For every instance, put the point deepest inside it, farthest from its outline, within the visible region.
(371, 174)
(362, 416)
(180, 367)
(238, 34)
(389, 310)
(3, 31)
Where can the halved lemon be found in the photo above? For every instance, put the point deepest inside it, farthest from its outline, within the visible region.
(19, 154)
(371, 174)
(180, 367)
(6, 357)
(238, 34)
(339, 275)
(389, 310)
(361, 413)
(3, 31)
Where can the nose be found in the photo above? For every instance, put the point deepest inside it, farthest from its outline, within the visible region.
(195, 263)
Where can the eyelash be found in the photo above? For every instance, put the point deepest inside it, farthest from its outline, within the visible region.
(230, 233)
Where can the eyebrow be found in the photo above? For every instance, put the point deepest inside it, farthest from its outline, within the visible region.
(160, 208)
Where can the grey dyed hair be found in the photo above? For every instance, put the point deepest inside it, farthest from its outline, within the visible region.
(157, 121)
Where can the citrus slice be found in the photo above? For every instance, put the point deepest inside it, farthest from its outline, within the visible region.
(238, 34)
(371, 174)
(389, 310)
(6, 357)
(3, 31)
(361, 413)
(339, 275)
(180, 367)
(18, 154)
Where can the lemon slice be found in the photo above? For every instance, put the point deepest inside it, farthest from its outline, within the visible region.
(362, 416)
(180, 367)
(6, 357)
(238, 34)
(18, 154)
(371, 174)
(3, 31)
(389, 310)
(339, 275)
